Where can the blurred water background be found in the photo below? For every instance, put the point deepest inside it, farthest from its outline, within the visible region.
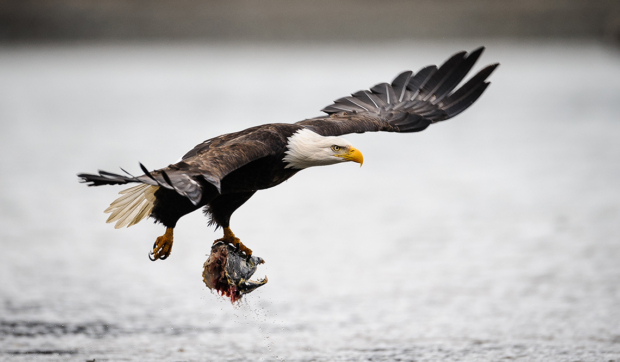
(493, 236)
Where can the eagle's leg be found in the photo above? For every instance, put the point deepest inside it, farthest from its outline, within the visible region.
(221, 208)
(162, 246)
(229, 237)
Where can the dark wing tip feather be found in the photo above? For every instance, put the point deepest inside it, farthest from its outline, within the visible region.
(455, 75)
(335, 108)
(463, 95)
(87, 178)
(103, 178)
(352, 104)
(477, 52)
(363, 106)
(399, 84)
(412, 123)
(122, 169)
(384, 92)
(434, 83)
(166, 178)
(420, 78)
(368, 98)
(145, 170)
(157, 182)
(467, 100)
(413, 100)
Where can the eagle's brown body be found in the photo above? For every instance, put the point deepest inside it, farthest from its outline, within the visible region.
(265, 171)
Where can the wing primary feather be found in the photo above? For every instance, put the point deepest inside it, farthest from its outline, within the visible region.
(167, 179)
(338, 107)
(473, 83)
(384, 92)
(331, 109)
(399, 84)
(148, 174)
(359, 103)
(417, 81)
(440, 76)
(348, 103)
(457, 75)
(414, 126)
(466, 100)
(110, 174)
(122, 169)
(362, 95)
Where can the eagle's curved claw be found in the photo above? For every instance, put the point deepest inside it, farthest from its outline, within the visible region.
(152, 256)
(239, 247)
(162, 246)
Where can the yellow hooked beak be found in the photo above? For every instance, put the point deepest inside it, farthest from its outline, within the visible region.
(353, 155)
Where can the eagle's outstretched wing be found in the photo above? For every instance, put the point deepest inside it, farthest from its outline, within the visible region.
(410, 104)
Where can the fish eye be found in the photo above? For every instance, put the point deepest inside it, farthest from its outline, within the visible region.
(336, 148)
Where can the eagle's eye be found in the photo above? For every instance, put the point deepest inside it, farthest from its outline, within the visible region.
(336, 148)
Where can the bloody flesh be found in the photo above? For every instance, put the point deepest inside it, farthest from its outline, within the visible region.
(228, 271)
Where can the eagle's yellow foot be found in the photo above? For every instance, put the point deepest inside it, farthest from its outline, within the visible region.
(230, 238)
(162, 246)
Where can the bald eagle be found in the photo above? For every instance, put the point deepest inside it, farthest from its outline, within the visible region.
(222, 173)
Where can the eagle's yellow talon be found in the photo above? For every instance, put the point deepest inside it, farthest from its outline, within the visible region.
(230, 238)
(244, 248)
(162, 247)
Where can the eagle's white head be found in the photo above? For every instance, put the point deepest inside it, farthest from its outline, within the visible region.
(307, 149)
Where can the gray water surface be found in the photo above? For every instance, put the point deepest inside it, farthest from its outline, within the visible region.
(494, 236)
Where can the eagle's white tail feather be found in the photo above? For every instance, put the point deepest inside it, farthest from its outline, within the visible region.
(136, 204)
(122, 208)
(129, 196)
(144, 212)
(120, 213)
(127, 215)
